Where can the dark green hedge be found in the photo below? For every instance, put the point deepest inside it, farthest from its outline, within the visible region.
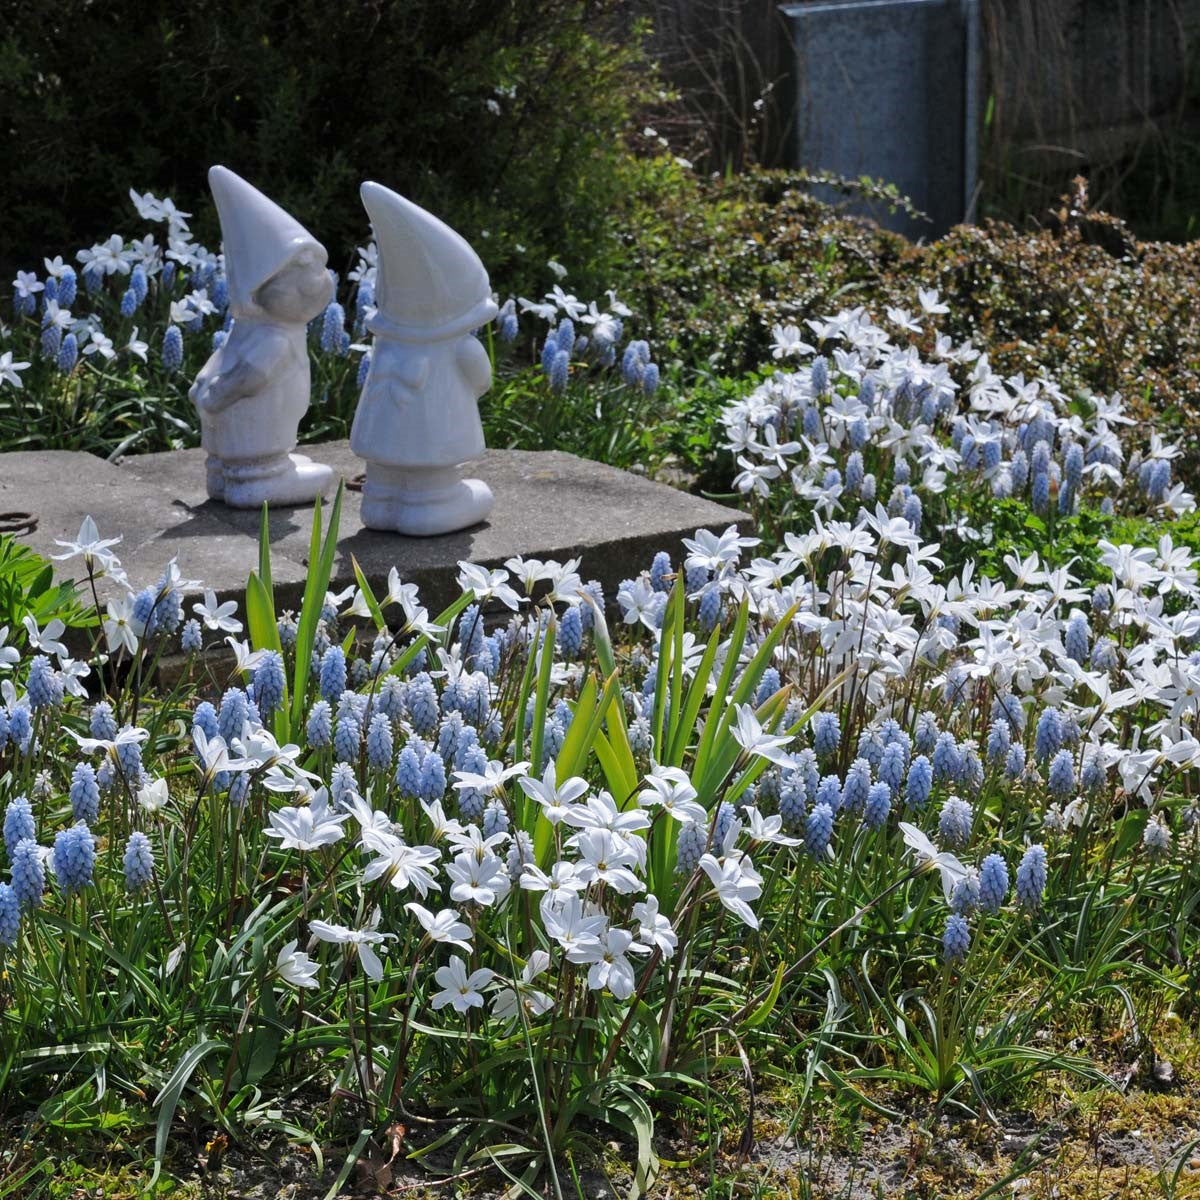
(504, 117)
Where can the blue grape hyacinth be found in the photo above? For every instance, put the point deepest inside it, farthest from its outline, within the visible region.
(954, 822)
(432, 784)
(892, 765)
(1031, 877)
(68, 354)
(827, 734)
(172, 349)
(878, 806)
(920, 782)
(20, 728)
(966, 895)
(570, 633)
(946, 761)
(956, 940)
(68, 286)
(408, 772)
(138, 862)
(332, 323)
(693, 838)
(999, 741)
(18, 824)
(818, 830)
(101, 721)
(347, 736)
(205, 719)
(379, 742)
(559, 371)
(43, 687)
(421, 700)
(233, 714)
(74, 857)
(191, 640)
(993, 883)
(793, 799)
(333, 673)
(1014, 764)
(1048, 738)
(28, 873)
(85, 794)
(1061, 780)
(857, 785)
(269, 683)
(10, 916)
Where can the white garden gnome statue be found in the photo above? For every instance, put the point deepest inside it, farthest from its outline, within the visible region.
(417, 421)
(254, 389)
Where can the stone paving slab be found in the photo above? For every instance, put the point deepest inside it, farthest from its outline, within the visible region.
(548, 505)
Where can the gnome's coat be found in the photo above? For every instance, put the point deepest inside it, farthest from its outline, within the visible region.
(262, 368)
(419, 405)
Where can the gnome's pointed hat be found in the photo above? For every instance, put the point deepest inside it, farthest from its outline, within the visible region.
(260, 238)
(431, 284)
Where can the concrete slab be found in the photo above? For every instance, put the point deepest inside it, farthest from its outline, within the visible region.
(548, 505)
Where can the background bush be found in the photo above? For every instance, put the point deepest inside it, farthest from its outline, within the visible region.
(504, 118)
(713, 265)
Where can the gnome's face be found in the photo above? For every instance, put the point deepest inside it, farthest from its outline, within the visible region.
(297, 293)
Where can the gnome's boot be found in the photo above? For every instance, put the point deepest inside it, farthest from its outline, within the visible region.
(422, 502)
(281, 479)
(215, 470)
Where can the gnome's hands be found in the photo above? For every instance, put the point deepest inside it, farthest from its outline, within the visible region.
(475, 365)
(198, 392)
(238, 383)
(402, 377)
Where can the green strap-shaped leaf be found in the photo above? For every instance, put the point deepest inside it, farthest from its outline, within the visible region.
(167, 1100)
(320, 567)
(264, 554)
(763, 1011)
(691, 706)
(368, 595)
(537, 735)
(715, 709)
(260, 615)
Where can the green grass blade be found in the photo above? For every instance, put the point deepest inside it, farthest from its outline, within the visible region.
(264, 554)
(260, 615)
(310, 615)
(736, 640)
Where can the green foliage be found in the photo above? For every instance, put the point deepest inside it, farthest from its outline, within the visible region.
(602, 419)
(28, 588)
(1061, 540)
(713, 265)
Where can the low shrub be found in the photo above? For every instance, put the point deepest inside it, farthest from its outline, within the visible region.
(715, 265)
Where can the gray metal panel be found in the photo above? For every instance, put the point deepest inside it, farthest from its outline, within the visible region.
(887, 88)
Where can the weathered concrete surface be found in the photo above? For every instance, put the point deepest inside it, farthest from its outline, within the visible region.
(548, 505)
